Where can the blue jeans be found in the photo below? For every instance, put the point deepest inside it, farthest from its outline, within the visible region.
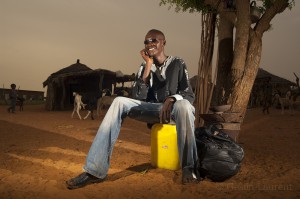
(98, 159)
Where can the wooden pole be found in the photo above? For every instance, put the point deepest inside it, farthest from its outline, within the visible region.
(204, 85)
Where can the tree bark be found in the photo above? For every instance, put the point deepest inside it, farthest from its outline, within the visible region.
(241, 92)
(238, 66)
(224, 58)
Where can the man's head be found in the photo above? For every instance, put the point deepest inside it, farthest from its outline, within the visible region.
(13, 86)
(155, 42)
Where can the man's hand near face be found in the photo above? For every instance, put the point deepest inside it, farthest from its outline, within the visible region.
(149, 62)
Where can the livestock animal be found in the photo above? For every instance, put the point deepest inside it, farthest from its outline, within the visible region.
(86, 101)
(20, 103)
(104, 101)
(286, 101)
(106, 92)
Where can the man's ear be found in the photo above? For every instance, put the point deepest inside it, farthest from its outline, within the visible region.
(164, 42)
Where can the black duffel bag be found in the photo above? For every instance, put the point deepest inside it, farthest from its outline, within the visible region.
(219, 155)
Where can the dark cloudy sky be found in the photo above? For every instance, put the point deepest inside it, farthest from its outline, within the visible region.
(39, 37)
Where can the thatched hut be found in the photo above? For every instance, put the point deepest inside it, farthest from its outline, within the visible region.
(75, 78)
(279, 83)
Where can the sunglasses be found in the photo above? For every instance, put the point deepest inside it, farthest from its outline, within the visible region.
(150, 40)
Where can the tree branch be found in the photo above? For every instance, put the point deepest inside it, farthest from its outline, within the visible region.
(276, 7)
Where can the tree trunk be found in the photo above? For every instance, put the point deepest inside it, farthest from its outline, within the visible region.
(241, 93)
(241, 43)
(224, 61)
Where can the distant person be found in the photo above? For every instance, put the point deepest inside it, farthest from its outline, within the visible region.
(297, 92)
(168, 78)
(275, 101)
(13, 99)
(297, 80)
(267, 95)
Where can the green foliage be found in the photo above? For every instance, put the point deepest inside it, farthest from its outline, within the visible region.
(291, 4)
(184, 5)
(268, 3)
(199, 6)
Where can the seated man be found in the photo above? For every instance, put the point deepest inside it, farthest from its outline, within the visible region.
(168, 79)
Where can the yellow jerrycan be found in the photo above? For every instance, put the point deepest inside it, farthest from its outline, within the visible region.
(164, 150)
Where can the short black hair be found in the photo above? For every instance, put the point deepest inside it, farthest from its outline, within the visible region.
(13, 86)
(157, 32)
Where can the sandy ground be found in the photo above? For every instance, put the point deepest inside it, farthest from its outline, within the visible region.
(40, 150)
